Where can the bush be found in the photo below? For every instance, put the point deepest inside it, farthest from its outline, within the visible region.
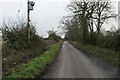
(35, 66)
(16, 36)
(107, 55)
(16, 49)
(53, 36)
(111, 41)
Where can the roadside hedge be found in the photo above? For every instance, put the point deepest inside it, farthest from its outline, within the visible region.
(35, 66)
(107, 55)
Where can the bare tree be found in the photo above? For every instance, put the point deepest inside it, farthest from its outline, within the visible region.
(102, 13)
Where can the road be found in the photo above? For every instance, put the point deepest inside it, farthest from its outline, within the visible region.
(72, 63)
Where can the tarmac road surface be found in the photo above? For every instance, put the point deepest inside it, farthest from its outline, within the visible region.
(72, 63)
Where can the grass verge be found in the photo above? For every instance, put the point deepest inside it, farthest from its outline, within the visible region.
(35, 66)
(107, 55)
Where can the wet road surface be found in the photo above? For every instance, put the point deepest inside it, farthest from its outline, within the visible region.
(72, 63)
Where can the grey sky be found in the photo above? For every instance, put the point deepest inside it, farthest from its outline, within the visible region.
(46, 14)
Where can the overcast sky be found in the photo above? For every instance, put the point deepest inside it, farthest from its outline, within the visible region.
(46, 14)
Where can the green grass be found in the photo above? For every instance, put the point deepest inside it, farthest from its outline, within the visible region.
(107, 55)
(37, 65)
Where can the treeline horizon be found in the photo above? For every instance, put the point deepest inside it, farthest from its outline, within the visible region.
(85, 24)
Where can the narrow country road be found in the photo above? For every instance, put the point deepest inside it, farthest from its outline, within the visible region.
(72, 63)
